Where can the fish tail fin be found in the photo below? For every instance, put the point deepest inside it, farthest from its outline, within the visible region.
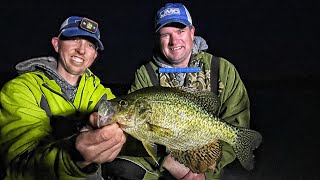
(247, 141)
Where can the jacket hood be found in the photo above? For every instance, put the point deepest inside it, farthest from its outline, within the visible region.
(39, 63)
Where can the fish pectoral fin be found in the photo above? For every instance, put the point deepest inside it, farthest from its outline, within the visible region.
(202, 159)
(161, 131)
(151, 150)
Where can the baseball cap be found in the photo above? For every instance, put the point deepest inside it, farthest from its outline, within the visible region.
(172, 12)
(81, 26)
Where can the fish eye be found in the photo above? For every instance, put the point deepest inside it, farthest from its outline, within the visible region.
(123, 103)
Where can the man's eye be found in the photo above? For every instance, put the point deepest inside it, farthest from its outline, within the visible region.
(92, 46)
(181, 31)
(164, 35)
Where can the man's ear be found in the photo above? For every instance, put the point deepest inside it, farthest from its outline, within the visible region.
(96, 55)
(192, 29)
(55, 43)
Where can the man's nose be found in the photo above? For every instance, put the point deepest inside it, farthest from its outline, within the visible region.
(81, 47)
(173, 39)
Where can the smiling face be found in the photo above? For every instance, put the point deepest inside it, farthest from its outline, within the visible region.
(176, 44)
(76, 54)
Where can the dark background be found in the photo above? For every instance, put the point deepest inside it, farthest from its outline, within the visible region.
(273, 45)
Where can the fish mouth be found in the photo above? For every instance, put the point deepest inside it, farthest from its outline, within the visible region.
(104, 120)
(106, 111)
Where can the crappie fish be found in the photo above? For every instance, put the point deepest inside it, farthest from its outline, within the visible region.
(185, 121)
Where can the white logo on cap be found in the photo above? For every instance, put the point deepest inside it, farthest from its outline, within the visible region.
(169, 11)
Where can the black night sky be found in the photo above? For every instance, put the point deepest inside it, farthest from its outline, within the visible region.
(272, 44)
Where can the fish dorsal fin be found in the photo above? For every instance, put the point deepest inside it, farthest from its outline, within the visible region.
(200, 160)
(206, 99)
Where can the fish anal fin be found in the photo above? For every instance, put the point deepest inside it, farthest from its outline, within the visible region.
(202, 159)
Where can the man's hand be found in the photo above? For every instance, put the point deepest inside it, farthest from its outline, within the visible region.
(180, 171)
(100, 145)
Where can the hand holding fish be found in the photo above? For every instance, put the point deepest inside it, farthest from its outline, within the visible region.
(100, 145)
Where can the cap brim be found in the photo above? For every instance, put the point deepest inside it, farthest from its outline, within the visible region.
(71, 32)
(165, 22)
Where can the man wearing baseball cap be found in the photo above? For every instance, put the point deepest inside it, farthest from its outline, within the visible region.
(47, 112)
(83, 27)
(177, 48)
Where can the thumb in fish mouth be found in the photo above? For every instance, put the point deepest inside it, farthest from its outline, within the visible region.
(93, 119)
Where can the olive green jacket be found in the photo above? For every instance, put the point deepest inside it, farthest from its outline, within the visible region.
(235, 107)
(29, 150)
